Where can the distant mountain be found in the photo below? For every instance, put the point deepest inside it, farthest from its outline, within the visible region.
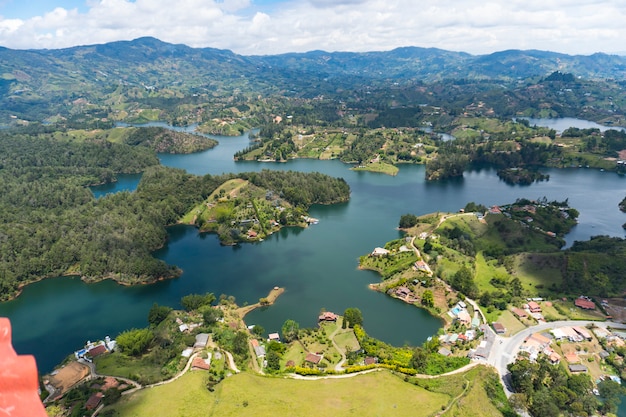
(35, 84)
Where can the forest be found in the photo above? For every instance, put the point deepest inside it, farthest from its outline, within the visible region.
(52, 224)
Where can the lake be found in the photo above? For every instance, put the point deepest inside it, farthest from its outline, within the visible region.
(317, 265)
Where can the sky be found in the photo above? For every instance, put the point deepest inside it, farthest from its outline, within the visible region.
(263, 27)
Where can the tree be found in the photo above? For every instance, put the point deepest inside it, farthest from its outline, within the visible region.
(428, 300)
(407, 220)
(212, 314)
(158, 313)
(353, 316)
(135, 341)
(419, 359)
(290, 330)
(194, 301)
(240, 343)
(273, 361)
(258, 330)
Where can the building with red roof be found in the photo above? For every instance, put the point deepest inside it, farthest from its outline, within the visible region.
(584, 303)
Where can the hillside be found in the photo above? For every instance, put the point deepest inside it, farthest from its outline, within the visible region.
(116, 80)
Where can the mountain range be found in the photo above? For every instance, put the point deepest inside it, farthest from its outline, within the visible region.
(36, 82)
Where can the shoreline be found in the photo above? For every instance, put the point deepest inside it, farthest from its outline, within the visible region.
(271, 298)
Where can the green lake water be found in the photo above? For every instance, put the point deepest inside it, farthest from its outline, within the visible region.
(317, 266)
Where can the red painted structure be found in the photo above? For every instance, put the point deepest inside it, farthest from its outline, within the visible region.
(19, 384)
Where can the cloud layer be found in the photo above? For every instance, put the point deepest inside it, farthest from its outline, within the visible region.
(569, 26)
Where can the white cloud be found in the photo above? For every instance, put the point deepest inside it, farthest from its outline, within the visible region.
(475, 26)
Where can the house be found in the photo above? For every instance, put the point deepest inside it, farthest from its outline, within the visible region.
(444, 351)
(97, 351)
(534, 307)
(495, 210)
(183, 327)
(259, 351)
(421, 266)
(498, 327)
(403, 292)
(201, 340)
(584, 303)
(313, 358)
(464, 318)
(572, 357)
(252, 234)
(274, 336)
(200, 364)
(584, 333)
(577, 368)
(519, 313)
(370, 360)
(327, 316)
(380, 252)
(94, 401)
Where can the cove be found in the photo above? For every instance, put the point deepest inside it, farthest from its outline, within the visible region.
(317, 266)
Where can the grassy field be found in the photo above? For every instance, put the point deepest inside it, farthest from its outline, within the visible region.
(512, 324)
(374, 394)
(538, 271)
(381, 167)
(486, 271)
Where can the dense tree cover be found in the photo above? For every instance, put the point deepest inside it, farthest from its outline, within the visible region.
(164, 140)
(135, 341)
(302, 189)
(51, 224)
(352, 317)
(192, 302)
(363, 147)
(290, 330)
(521, 176)
(407, 220)
(158, 313)
(548, 390)
(596, 266)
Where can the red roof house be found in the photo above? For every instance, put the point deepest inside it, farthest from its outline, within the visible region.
(534, 307)
(97, 351)
(313, 358)
(584, 303)
(18, 383)
(94, 401)
(327, 316)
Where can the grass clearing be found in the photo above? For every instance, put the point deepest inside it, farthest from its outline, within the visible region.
(512, 324)
(187, 396)
(373, 394)
(346, 339)
(486, 271)
(538, 271)
(380, 167)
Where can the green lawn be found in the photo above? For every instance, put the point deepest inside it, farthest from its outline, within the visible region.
(347, 339)
(486, 271)
(381, 167)
(375, 394)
